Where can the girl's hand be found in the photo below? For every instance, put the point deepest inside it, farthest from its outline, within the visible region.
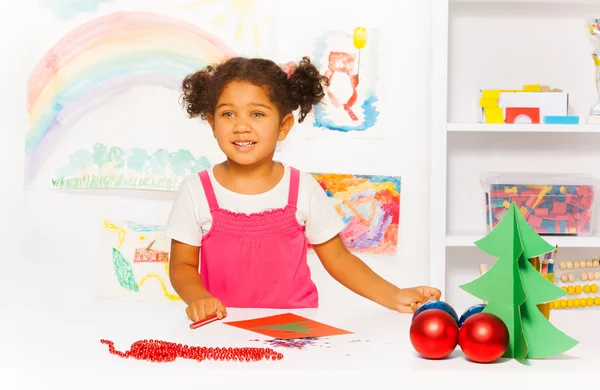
(204, 308)
(410, 299)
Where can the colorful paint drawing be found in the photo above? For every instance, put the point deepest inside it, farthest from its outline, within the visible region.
(105, 57)
(350, 60)
(139, 249)
(115, 167)
(370, 207)
(69, 9)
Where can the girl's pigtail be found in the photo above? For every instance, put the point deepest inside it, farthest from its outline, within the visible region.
(305, 87)
(196, 96)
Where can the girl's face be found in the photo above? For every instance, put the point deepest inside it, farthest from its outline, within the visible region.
(247, 125)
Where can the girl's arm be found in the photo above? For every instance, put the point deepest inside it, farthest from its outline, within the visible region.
(183, 272)
(355, 275)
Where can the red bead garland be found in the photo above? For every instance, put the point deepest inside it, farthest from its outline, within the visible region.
(165, 351)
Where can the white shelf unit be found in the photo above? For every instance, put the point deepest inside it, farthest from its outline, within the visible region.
(487, 44)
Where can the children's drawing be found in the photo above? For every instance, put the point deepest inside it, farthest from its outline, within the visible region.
(249, 20)
(68, 9)
(139, 262)
(114, 167)
(350, 60)
(288, 326)
(370, 207)
(105, 57)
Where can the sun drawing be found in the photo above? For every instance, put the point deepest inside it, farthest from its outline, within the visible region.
(245, 17)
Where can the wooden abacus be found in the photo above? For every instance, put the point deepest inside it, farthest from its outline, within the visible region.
(586, 270)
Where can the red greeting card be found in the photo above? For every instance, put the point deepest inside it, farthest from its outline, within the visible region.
(288, 326)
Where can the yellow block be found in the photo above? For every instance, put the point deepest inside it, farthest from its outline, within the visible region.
(493, 115)
(532, 88)
(485, 102)
(490, 94)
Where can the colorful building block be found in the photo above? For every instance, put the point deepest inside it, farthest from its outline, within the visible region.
(512, 113)
(561, 119)
(493, 115)
(532, 88)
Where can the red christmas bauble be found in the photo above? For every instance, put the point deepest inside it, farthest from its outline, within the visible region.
(483, 337)
(434, 334)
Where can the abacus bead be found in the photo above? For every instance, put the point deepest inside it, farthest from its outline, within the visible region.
(562, 265)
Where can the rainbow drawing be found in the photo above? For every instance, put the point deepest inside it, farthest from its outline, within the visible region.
(102, 58)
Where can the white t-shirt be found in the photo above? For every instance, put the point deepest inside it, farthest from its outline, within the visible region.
(190, 217)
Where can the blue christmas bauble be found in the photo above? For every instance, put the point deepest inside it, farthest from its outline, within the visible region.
(437, 305)
(469, 312)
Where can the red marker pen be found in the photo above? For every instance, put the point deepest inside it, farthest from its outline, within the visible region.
(205, 321)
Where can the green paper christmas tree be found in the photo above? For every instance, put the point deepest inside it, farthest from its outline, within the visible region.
(296, 327)
(513, 288)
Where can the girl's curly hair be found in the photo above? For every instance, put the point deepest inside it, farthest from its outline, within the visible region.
(288, 91)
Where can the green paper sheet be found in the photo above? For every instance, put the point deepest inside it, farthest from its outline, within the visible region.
(513, 288)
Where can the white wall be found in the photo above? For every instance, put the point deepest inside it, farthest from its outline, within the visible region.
(41, 276)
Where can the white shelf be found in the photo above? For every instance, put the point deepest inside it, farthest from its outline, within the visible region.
(472, 146)
(468, 240)
(521, 128)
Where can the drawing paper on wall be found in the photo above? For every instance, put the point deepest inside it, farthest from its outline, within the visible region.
(351, 61)
(98, 63)
(136, 265)
(103, 166)
(370, 207)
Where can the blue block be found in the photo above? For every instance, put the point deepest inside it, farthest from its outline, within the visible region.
(563, 226)
(547, 224)
(561, 120)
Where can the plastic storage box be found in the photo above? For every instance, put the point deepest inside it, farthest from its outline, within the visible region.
(551, 204)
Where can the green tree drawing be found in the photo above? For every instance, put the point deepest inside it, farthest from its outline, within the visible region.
(513, 288)
(137, 160)
(100, 154)
(159, 162)
(116, 156)
(182, 162)
(296, 327)
(124, 271)
(202, 163)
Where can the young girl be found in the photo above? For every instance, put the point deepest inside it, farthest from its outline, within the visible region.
(240, 229)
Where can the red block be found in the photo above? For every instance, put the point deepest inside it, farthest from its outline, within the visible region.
(532, 112)
(542, 212)
(535, 221)
(559, 208)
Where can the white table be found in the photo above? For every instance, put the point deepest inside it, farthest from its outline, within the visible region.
(60, 349)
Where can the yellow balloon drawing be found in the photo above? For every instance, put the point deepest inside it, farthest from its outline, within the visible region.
(360, 37)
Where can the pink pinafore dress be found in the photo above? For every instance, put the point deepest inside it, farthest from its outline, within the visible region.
(257, 260)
